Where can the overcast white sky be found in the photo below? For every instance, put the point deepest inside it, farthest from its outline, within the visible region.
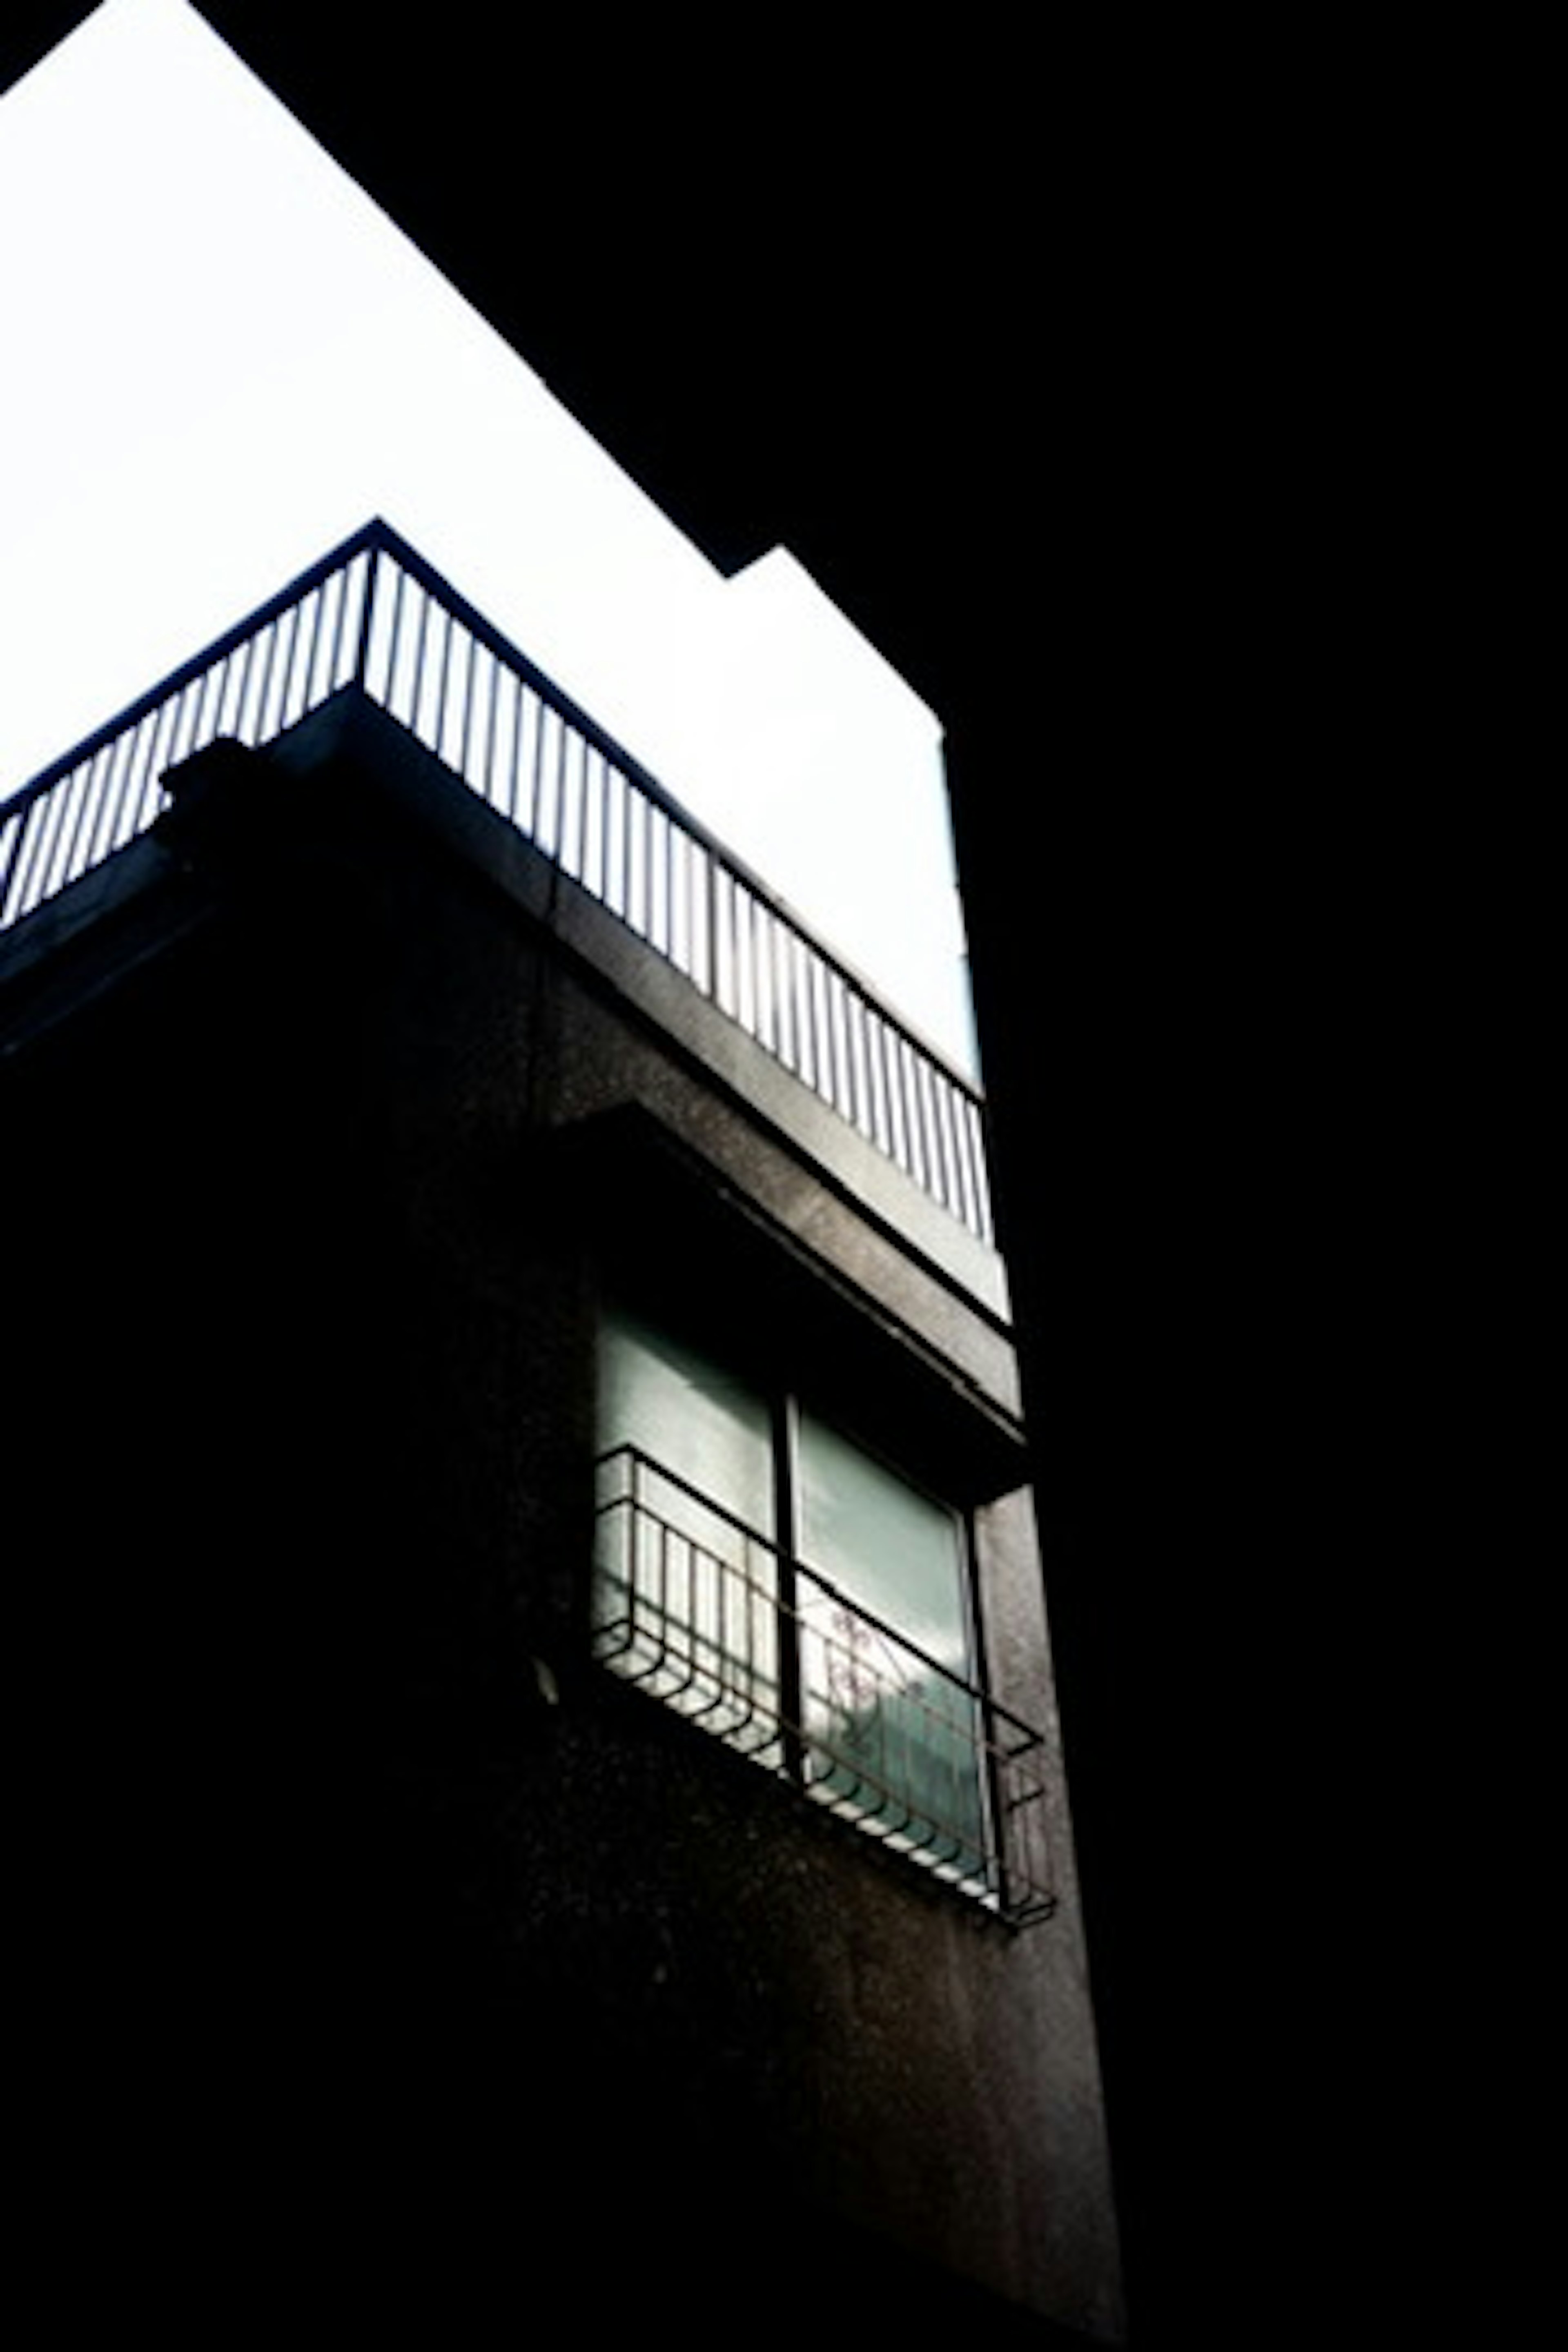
(220, 357)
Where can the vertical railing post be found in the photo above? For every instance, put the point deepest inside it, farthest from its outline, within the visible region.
(997, 1800)
(10, 854)
(367, 614)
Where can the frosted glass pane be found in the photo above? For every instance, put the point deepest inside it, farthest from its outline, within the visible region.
(892, 1739)
(690, 1414)
(686, 1591)
(883, 1543)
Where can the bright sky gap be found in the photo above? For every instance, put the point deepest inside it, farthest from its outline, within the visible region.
(222, 357)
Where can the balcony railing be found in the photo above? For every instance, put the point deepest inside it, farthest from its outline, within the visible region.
(707, 1616)
(374, 615)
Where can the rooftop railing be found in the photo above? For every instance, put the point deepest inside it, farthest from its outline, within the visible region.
(374, 614)
(707, 1616)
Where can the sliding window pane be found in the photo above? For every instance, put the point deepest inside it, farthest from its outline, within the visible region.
(891, 1722)
(686, 1587)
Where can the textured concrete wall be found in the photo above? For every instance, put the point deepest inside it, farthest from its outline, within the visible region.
(322, 1193)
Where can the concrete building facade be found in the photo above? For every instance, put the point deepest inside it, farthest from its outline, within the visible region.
(555, 1797)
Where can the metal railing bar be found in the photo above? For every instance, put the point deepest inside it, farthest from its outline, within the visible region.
(669, 865)
(46, 867)
(590, 870)
(751, 919)
(373, 538)
(244, 671)
(419, 675)
(37, 827)
(508, 734)
(201, 690)
(162, 738)
(195, 695)
(641, 1462)
(531, 710)
(228, 679)
(940, 1100)
(381, 639)
(894, 1757)
(967, 1205)
(427, 691)
(191, 703)
(558, 784)
(613, 812)
(785, 977)
(335, 668)
(832, 1592)
(46, 829)
(911, 1158)
(305, 625)
(137, 770)
(314, 688)
(907, 1647)
(361, 672)
(141, 784)
(310, 639)
(892, 1100)
(101, 830)
(613, 827)
(492, 675)
(449, 727)
(980, 1209)
(268, 639)
(106, 800)
(288, 628)
(470, 672)
(443, 691)
(461, 652)
(267, 642)
(11, 831)
(582, 722)
(79, 801)
(758, 928)
(575, 753)
(494, 756)
(346, 661)
(194, 667)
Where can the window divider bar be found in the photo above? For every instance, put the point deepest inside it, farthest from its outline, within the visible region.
(791, 1709)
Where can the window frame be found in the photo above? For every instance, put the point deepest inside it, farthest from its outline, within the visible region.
(784, 1400)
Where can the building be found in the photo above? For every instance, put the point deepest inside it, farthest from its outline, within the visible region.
(554, 1787)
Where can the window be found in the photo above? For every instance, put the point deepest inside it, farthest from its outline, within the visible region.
(769, 1577)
